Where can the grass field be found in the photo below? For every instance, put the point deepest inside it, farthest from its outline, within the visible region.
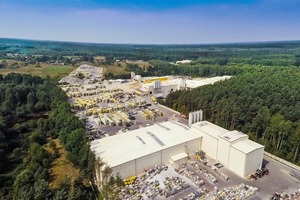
(141, 64)
(57, 71)
(54, 71)
(120, 67)
(115, 69)
(61, 167)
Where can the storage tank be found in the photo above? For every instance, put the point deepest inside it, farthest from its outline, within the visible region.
(194, 117)
(157, 84)
(190, 119)
(132, 75)
(183, 83)
(201, 115)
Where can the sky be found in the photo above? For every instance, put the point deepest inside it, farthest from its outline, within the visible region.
(151, 21)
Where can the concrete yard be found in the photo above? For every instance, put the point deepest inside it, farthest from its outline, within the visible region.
(278, 180)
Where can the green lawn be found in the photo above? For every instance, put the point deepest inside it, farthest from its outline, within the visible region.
(57, 70)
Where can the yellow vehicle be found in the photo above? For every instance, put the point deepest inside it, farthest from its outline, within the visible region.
(152, 98)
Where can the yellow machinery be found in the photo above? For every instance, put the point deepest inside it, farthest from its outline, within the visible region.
(153, 98)
(150, 80)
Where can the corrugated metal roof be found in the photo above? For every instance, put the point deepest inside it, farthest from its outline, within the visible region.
(232, 136)
(209, 128)
(247, 146)
(122, 148)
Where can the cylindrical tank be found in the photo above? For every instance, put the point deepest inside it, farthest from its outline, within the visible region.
(157, 84)
(182, 83)
(132, 74)
(190, 119)
(197, 116)
(201, 115)
(194, 117)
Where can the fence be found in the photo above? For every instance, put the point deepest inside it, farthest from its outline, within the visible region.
(295, 167)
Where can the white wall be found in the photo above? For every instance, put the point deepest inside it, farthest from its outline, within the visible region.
(210, 146)
(161, 157)
(172, 151)
(148, 161)
(125, 170)
(223, 151)
(237, 161)
(194, 145)
(168, 88)
(253, 161)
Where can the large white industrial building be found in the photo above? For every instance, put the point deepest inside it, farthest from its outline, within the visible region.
(132, 152)
(173, 84)
(231, 148)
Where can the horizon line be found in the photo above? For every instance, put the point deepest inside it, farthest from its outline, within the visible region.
(152, 44)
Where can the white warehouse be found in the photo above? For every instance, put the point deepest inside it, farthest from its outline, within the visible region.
(175, 84)
(132, 152)
(231, 148)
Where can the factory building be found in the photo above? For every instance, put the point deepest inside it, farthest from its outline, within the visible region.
(170, 142)
(165, 86)
(231, 148)
(133, 152)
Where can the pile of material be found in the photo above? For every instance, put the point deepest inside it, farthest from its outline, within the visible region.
(190, 174)
(241, 191)
(283, 196)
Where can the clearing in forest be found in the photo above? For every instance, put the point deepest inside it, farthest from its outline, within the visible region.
(61, 167)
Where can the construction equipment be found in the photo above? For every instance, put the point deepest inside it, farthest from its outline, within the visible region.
(200, 155)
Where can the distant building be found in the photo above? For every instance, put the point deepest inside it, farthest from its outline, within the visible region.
(163, 85)
(183, 62)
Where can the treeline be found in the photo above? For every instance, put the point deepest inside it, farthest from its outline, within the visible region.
(32, 112)
(160, 68)
(263, 102)
(269, 53)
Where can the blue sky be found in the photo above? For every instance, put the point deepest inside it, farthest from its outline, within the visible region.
(151, 21)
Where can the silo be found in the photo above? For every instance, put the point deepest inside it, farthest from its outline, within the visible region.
(197, 116)
(157, 84)
(194, 117)
(132, 75)
(183, 83)
(190, 119)
(201, 115)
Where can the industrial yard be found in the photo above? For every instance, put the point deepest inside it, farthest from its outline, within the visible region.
(160, 154)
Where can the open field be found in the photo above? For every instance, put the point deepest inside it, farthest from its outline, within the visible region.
(54, 71)
(57, 71)
(141, 64)
(116, 69)
(60, 166)
(120, 67)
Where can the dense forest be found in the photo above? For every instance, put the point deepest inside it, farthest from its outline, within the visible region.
(33, 112)
(263, 102)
